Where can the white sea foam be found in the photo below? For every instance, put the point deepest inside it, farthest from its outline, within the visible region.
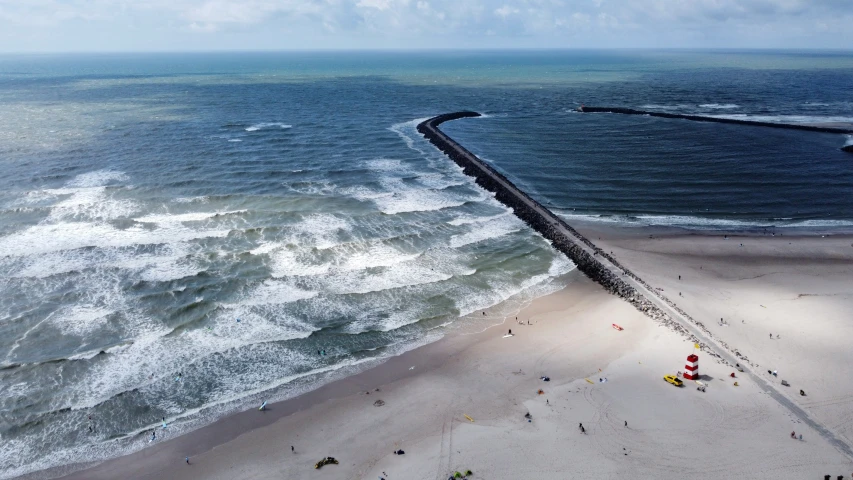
(200, 199)
(88, 203)
(266, 248)
(408, 132)
(468, 219)
(170, 262)
(385, 164)
(85, 197)
(719, 106)
(501, 290)
(35, 197)
(267, 125)
(393, 321)
(157, 354)
(810, 119)
(374, 255)
(97, 178)
(40, 239)
(440, 181)
(185, 420)
(396, 195)
(502, 225)
(51, 263)
(272, 292)
(849, 140)
(417, 201)
(321, 230)
(81, 320)
(166, 219)
(383, 278)
(165, 271)
(287, 262)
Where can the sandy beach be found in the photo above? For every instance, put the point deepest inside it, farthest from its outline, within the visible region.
(460, 403)
(797, 288)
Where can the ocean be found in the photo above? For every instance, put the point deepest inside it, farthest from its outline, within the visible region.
(187, 235)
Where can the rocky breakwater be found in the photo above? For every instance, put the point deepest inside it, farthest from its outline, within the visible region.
(701, 118)
(586, 255)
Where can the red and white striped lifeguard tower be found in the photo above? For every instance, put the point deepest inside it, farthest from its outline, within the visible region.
(692, 367)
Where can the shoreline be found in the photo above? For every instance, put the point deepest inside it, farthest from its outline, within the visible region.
(426, 358)
(477, 375)
(625, 225)
(595, 229)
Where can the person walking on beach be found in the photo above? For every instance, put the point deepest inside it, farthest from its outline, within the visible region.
(188, 460)
(292, 450)
(510, 332)
(263, 406)
(626, 423)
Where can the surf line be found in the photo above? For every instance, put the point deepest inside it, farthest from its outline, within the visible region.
(702, 118)
(603, 268)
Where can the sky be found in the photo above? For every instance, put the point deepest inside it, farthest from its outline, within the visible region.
(215, 25)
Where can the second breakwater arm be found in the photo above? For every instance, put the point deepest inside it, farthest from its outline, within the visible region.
(702, 118)
(603, 268)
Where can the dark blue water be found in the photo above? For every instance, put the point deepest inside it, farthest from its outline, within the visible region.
(148, 202)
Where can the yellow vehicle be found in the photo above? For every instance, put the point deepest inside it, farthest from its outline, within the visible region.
(673, 380)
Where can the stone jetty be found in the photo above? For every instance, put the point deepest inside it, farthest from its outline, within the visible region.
(701, 118)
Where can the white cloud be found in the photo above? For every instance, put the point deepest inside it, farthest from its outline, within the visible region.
(505, 11)
(412, 23)
(377, 4)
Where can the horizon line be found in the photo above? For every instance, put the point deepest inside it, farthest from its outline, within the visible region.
(438, 49)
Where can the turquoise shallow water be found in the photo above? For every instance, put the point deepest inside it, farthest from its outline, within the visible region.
(148, 202)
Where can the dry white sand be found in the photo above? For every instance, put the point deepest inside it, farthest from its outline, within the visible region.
(672, 433)
(797, 287)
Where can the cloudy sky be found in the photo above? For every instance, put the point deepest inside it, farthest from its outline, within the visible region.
(182, 25)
